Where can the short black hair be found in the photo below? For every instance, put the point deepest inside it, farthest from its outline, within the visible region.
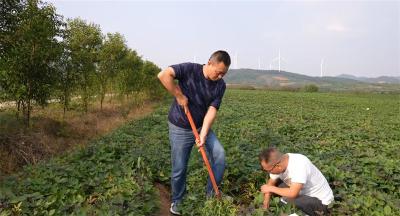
(221, 56)
(265, 154)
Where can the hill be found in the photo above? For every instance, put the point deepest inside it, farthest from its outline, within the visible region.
(288, 80)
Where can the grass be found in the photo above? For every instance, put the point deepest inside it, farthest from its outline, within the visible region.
(53, 134)
(352, 138)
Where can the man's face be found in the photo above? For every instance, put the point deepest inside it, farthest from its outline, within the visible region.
(217, 70)
(273, 168)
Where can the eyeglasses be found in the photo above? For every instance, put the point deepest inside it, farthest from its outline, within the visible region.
(273, 167)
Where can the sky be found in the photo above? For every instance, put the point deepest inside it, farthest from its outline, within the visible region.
(360, 38)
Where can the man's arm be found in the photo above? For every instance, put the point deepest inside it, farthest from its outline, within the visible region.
(291, 192)
(211, 115)
(207, 122)
(267, 196)
(167, 77)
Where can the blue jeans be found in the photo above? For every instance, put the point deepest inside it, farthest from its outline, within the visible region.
(182, 140)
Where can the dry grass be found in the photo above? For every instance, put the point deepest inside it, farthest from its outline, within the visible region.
(52, 135)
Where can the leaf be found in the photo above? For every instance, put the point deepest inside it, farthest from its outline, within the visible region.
(387, 210)
(19, 199)
(52, 211)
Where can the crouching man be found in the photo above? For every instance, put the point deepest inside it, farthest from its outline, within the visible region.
(298, 180)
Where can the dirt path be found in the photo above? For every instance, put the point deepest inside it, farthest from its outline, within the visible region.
(164, 199)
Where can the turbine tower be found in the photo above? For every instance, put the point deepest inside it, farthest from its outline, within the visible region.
(236, 60)
(279, 59)
(322, 64)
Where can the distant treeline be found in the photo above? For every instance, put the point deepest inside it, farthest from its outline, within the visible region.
(305, 88)
(44, 56)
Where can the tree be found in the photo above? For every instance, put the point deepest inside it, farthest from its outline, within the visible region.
(10, 17)
(311, 88)
(111, 56)
(131, 76)
(150, 81)
(67, 79)
(30, 54)
(84, 41)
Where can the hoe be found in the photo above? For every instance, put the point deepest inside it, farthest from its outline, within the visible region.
(203, 154)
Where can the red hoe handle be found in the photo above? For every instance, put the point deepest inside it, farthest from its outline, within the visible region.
(203, 154)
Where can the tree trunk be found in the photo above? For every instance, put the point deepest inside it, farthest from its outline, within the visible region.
(103, 95)
(64, 107)
(25, 113)
(85, 99)
(111, 91)
(29, 113)
(101, 101)
(18, 108)
(66, 98)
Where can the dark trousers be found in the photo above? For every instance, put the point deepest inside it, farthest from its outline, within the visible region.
(310, 205)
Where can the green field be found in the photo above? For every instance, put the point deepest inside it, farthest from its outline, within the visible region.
(353, 138)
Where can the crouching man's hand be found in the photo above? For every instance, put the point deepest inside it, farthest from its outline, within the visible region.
(267, 188)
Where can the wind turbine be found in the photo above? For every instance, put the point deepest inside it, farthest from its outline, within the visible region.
(236, 60)
(259, 63)
(194, 59)
(322, 64)
(279, 58)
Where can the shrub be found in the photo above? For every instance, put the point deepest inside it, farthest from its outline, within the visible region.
(311, 88)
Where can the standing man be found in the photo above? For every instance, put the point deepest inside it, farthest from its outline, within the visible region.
(302, 183)
(200, 89)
